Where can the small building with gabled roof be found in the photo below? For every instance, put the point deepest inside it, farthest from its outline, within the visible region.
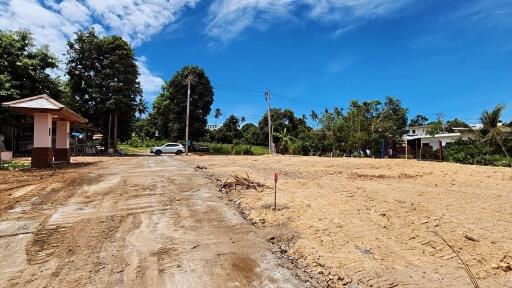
(45, 111)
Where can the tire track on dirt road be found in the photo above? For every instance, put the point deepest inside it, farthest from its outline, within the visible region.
(133, 222)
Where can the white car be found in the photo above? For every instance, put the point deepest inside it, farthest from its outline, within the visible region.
(175, 148)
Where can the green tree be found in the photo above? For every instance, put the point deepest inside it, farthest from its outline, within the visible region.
(217, 114)
(170, 107)
(434, 128)
(24, 71)
(455, 123)
(314, 116)
(364, 126)
(285, 141)
(251, 134)
(229, 131)
(282, 119)
(492, 133)
(394, 120)
(141, 107)
(419, 120)
(103, 77)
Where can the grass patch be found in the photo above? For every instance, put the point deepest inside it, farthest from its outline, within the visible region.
(137, 147)
(13, 165)
(230, 149)
(133, 150)
(259, 150)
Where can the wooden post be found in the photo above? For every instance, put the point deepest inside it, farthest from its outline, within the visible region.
(115, 132)
(440, 144)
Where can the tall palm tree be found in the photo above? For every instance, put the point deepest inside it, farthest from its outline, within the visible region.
(314, 117)
(141, 107)
(492, 133)
(217, 114)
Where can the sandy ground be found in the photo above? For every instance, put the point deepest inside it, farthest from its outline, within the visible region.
(369, 222)
(128, 222)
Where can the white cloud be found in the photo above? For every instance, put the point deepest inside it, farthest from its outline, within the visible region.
(75, 11)
(48, 26)
(137, 20)
(490, 13)
(150, 83)
(54, 22)
(228, 18)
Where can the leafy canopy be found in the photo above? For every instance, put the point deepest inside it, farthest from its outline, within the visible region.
(170, 107)
(24, 71)
(103, 80)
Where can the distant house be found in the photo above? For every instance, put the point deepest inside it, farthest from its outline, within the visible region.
(421, 133)
(417, 138)
(212, 127)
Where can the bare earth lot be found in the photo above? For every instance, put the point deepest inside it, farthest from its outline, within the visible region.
(369, 222)
(128, 222)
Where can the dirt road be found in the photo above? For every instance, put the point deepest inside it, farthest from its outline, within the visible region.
(128, 222)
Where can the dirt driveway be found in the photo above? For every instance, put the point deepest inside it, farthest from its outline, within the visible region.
(137, 222)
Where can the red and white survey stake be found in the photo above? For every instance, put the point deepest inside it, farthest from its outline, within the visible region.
(276, 177)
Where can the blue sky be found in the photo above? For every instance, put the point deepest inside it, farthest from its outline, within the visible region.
(454, 58)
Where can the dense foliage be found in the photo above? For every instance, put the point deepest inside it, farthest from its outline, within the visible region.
(24, 71)
(103, 82)
(170, 107)
(361, 130)
(475, 153)
(358, 132)
(418, 120)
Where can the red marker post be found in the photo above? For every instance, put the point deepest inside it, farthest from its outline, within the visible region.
(275, 190)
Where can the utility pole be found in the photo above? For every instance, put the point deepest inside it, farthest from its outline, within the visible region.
(189, 81)
(270, 144)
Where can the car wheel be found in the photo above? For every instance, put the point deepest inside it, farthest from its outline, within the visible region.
(179, 152)
(158, 152)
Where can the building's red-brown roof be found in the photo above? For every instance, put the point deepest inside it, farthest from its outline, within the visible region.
(44, 104)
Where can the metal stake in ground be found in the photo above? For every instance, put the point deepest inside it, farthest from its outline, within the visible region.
(275, 190)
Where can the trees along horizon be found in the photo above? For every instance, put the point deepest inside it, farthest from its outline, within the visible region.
(365, 125)
(104, 84)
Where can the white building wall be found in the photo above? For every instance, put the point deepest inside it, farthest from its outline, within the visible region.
(62, 135)
(42, 130)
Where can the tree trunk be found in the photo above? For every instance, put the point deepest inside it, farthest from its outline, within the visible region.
(421, 149)
(115, 132)
(109, 132)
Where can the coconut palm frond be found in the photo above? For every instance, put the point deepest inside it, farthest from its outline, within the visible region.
(492, 133)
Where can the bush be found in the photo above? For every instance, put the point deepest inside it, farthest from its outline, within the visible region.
(136, 143)
(474, 153)
(13, 165)
(229, 149)
(242, 150)
(220, 149)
